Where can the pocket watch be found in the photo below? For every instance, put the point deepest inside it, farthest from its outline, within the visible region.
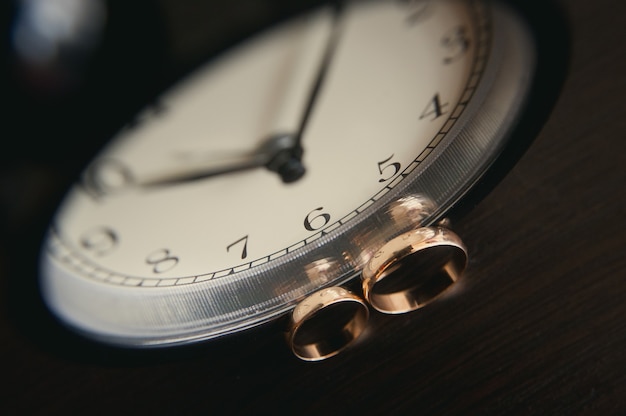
(321, 152)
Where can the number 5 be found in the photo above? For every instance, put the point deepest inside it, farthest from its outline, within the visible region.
(383, 166)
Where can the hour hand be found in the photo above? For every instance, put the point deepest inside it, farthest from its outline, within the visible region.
(281, 154)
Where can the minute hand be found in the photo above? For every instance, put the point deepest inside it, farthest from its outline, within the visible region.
(289, 165)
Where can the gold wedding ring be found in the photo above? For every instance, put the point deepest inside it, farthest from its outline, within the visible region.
(413, 269)
(325, 323)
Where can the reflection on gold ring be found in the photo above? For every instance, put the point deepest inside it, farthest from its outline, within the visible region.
(412, 269)
(325, 323)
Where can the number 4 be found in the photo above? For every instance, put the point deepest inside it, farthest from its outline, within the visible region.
(435, 108)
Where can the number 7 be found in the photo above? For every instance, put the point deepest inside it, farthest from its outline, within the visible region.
(244, 252)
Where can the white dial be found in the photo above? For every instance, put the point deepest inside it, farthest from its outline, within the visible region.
(134, 258)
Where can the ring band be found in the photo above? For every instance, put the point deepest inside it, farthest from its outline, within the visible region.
(326, 322)
(413, 269)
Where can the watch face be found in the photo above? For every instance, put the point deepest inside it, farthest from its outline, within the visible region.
(181, 229)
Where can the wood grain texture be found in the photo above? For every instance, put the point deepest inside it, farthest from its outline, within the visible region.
(537, 326)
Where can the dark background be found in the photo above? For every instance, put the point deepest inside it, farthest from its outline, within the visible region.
(537, 327)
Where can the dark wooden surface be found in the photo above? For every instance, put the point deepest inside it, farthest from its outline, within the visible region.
(537, 327)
